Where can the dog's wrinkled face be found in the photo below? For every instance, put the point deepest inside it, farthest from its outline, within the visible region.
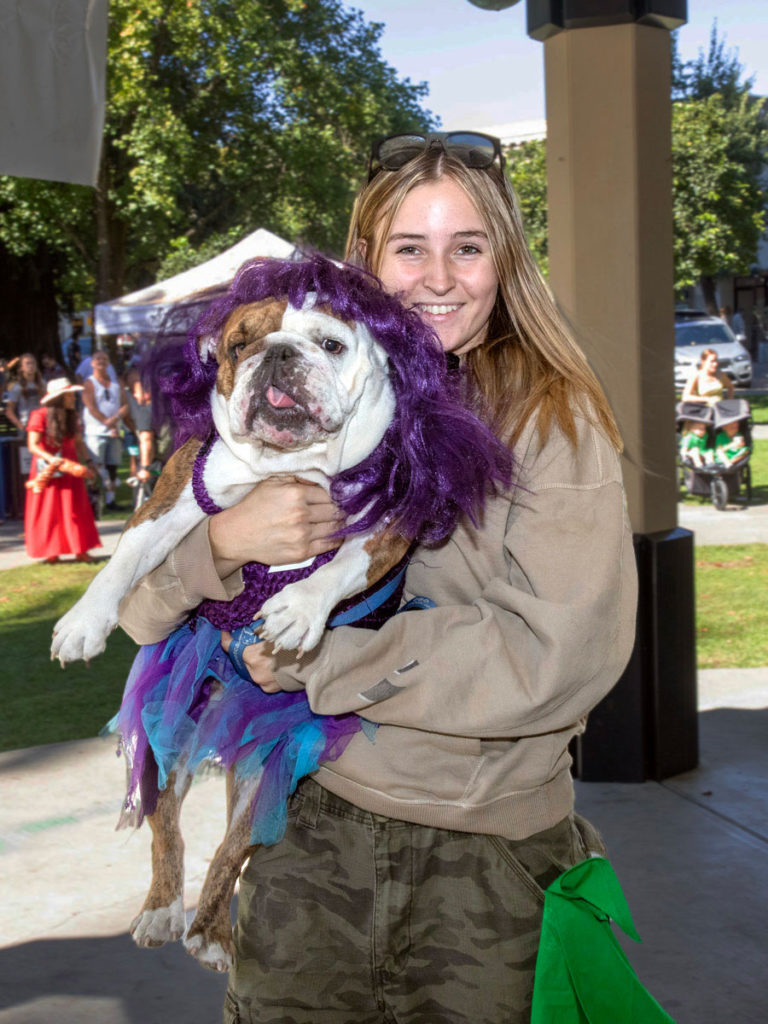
(291, 378)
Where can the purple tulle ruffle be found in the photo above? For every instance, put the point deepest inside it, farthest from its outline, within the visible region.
(185, 706)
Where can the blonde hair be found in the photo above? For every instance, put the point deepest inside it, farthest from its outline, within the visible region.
(528, 362)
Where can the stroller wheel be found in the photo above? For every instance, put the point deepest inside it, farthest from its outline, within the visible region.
(719, 490)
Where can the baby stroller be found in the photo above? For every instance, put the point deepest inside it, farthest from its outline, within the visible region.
(713, 480)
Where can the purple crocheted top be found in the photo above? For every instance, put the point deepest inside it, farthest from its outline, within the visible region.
(261, 583)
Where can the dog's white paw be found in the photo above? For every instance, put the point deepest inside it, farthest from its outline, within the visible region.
(209, 954)
(82, 633)
(156, 927)
(294, 618)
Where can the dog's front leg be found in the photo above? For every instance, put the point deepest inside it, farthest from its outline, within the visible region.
(83, 631)
(209, 938)
(295, 617)
(151, 534)
(162, 917)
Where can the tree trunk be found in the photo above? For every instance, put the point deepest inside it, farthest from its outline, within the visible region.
(29, 317)
(110, 252)
(708, 285)
(110, 239)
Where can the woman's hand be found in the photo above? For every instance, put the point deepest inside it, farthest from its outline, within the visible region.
(259, 661)
(282, 521)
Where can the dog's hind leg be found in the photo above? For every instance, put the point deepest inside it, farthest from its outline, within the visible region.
(162, 917)
(209, 938)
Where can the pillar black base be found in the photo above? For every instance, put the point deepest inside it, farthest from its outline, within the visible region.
(647, 726)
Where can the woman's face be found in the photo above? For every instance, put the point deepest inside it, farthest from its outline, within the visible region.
(710, 364)
(29, 367)
(437, 260)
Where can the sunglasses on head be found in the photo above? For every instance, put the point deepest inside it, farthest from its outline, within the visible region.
(473, 149)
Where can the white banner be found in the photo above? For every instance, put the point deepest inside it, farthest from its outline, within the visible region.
(53, 69)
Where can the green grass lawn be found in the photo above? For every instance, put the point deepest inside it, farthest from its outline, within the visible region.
(731, 610)
(43, 703)
(759, 406)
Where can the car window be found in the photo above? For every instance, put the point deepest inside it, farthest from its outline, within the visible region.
(702, 334)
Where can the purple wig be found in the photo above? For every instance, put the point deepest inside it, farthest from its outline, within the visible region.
(437, 459)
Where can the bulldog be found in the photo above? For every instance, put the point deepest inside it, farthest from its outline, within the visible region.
(309, 370)
(298, 392)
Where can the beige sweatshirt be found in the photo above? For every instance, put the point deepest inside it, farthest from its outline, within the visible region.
(478, 698)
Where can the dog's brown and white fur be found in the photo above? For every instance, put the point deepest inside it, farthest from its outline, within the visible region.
(298, 392)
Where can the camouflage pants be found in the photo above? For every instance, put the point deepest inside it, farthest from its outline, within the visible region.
(354, 918)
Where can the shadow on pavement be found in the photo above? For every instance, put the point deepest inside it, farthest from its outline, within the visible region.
(109, 980)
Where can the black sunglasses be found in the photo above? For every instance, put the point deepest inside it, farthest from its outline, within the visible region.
(474, 149)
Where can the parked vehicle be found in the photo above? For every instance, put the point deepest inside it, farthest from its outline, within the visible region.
(696, 331)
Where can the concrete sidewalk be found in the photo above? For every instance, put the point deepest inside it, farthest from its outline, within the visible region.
(690, 854)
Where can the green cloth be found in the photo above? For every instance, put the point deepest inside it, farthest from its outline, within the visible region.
(582, 973)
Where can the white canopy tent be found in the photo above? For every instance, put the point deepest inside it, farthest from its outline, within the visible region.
(143, 311)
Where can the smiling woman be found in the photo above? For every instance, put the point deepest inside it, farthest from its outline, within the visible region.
(410, 880)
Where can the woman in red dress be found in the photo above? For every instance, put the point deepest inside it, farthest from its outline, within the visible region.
(58, 518)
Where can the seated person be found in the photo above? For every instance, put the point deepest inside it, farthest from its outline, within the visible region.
(707, 383)
(694, 446)
(730, 446)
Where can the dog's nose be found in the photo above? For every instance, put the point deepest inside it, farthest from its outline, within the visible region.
(281, 353)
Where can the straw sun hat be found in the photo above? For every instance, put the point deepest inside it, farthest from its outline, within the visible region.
(57, 387)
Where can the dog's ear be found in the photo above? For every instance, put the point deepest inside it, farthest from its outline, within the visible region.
(206, 347)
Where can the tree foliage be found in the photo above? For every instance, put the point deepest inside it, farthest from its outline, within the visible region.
(717, 70)
(719, 147)
(222, 116)
(527, 170)
(718, 155)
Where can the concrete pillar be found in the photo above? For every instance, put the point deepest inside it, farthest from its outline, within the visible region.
(610, 240)
(611, 270)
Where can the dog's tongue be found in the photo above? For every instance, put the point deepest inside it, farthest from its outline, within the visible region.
(278, 399)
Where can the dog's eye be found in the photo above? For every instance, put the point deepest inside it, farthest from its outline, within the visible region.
(237, 349)
(331, 345)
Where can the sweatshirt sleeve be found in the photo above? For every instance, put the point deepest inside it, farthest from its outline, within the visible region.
(543, 640)
(164, 598)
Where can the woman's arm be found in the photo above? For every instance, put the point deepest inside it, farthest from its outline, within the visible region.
(34, 438)
(10, 412)
(691, 389)
(122, 411)
(282, 521)
(535, 650)
(727, 385)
